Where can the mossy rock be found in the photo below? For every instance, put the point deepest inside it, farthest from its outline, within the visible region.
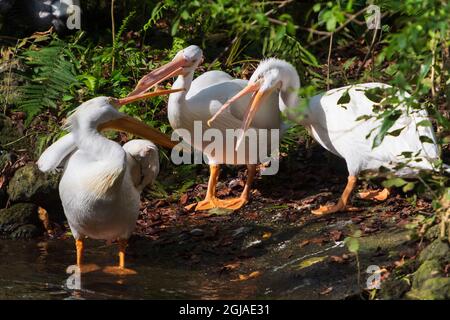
(9, 133)
(31, 185)
(433, 232)
(394, 289)
(427, 270)
(432, 289)
(436, 250)
(21, 221)
(383, 241)
(5, 157)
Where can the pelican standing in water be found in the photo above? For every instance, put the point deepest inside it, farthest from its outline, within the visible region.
(198, 101)
(338, 127)
(102, 181)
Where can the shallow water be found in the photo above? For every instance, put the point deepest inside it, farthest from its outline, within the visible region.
(165, 270)
(30, 270)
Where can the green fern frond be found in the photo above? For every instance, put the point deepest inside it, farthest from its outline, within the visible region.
(53, 76)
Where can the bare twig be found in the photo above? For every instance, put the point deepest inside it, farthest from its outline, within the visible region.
(433, 70)
(342, 26)
(329, 61)
(358, 22)
(8, 85)
(372, 45)
(113, 31)
(319, 32)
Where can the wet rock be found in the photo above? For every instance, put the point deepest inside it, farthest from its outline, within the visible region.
(432, 289)
(31, 185)
(197, 232)
(433, 232)
(428, 281)
(394, 289)
(21, 221)
(239, 232)
(9, 133)
(381, 242)
(5, 158)
(436, 250)
(427, 270)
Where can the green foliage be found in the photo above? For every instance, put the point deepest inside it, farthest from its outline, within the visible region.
(51, 80)
(352, 242)
(327, 41)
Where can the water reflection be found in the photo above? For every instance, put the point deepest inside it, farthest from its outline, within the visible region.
(44, 270)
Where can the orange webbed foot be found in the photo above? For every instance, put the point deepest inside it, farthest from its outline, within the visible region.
(207, 204)
(203, 205)
(379, 195)
(119, 271)
(328, 209)
(233, 204)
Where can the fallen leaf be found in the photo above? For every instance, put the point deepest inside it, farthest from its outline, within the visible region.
(337, 259)
(311, 261)
(336, 235)
(231, 266)
(267, 235)
(357, 219)
(326, 291)
(160, 203)
(304, 243)
(244, 277)
(319, 240)
(184, 199)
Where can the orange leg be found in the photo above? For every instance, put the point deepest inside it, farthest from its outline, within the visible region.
(380, 195)
(210, 200)
(84, 268)
(122, 248)
(342, 203)
(120, 270)
(80, 249)
(237, 203)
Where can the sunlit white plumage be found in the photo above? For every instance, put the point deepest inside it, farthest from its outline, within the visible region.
(202, 98)
(341, 129)
(102, 181)
(205, 95)
(337, 129)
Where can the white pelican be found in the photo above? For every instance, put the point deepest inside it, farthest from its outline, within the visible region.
(342, 127)
(102, 181)
(199, 101)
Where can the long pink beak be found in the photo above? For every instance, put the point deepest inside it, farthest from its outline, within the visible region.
(251, 88)
(171, 69)
(257, 99)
